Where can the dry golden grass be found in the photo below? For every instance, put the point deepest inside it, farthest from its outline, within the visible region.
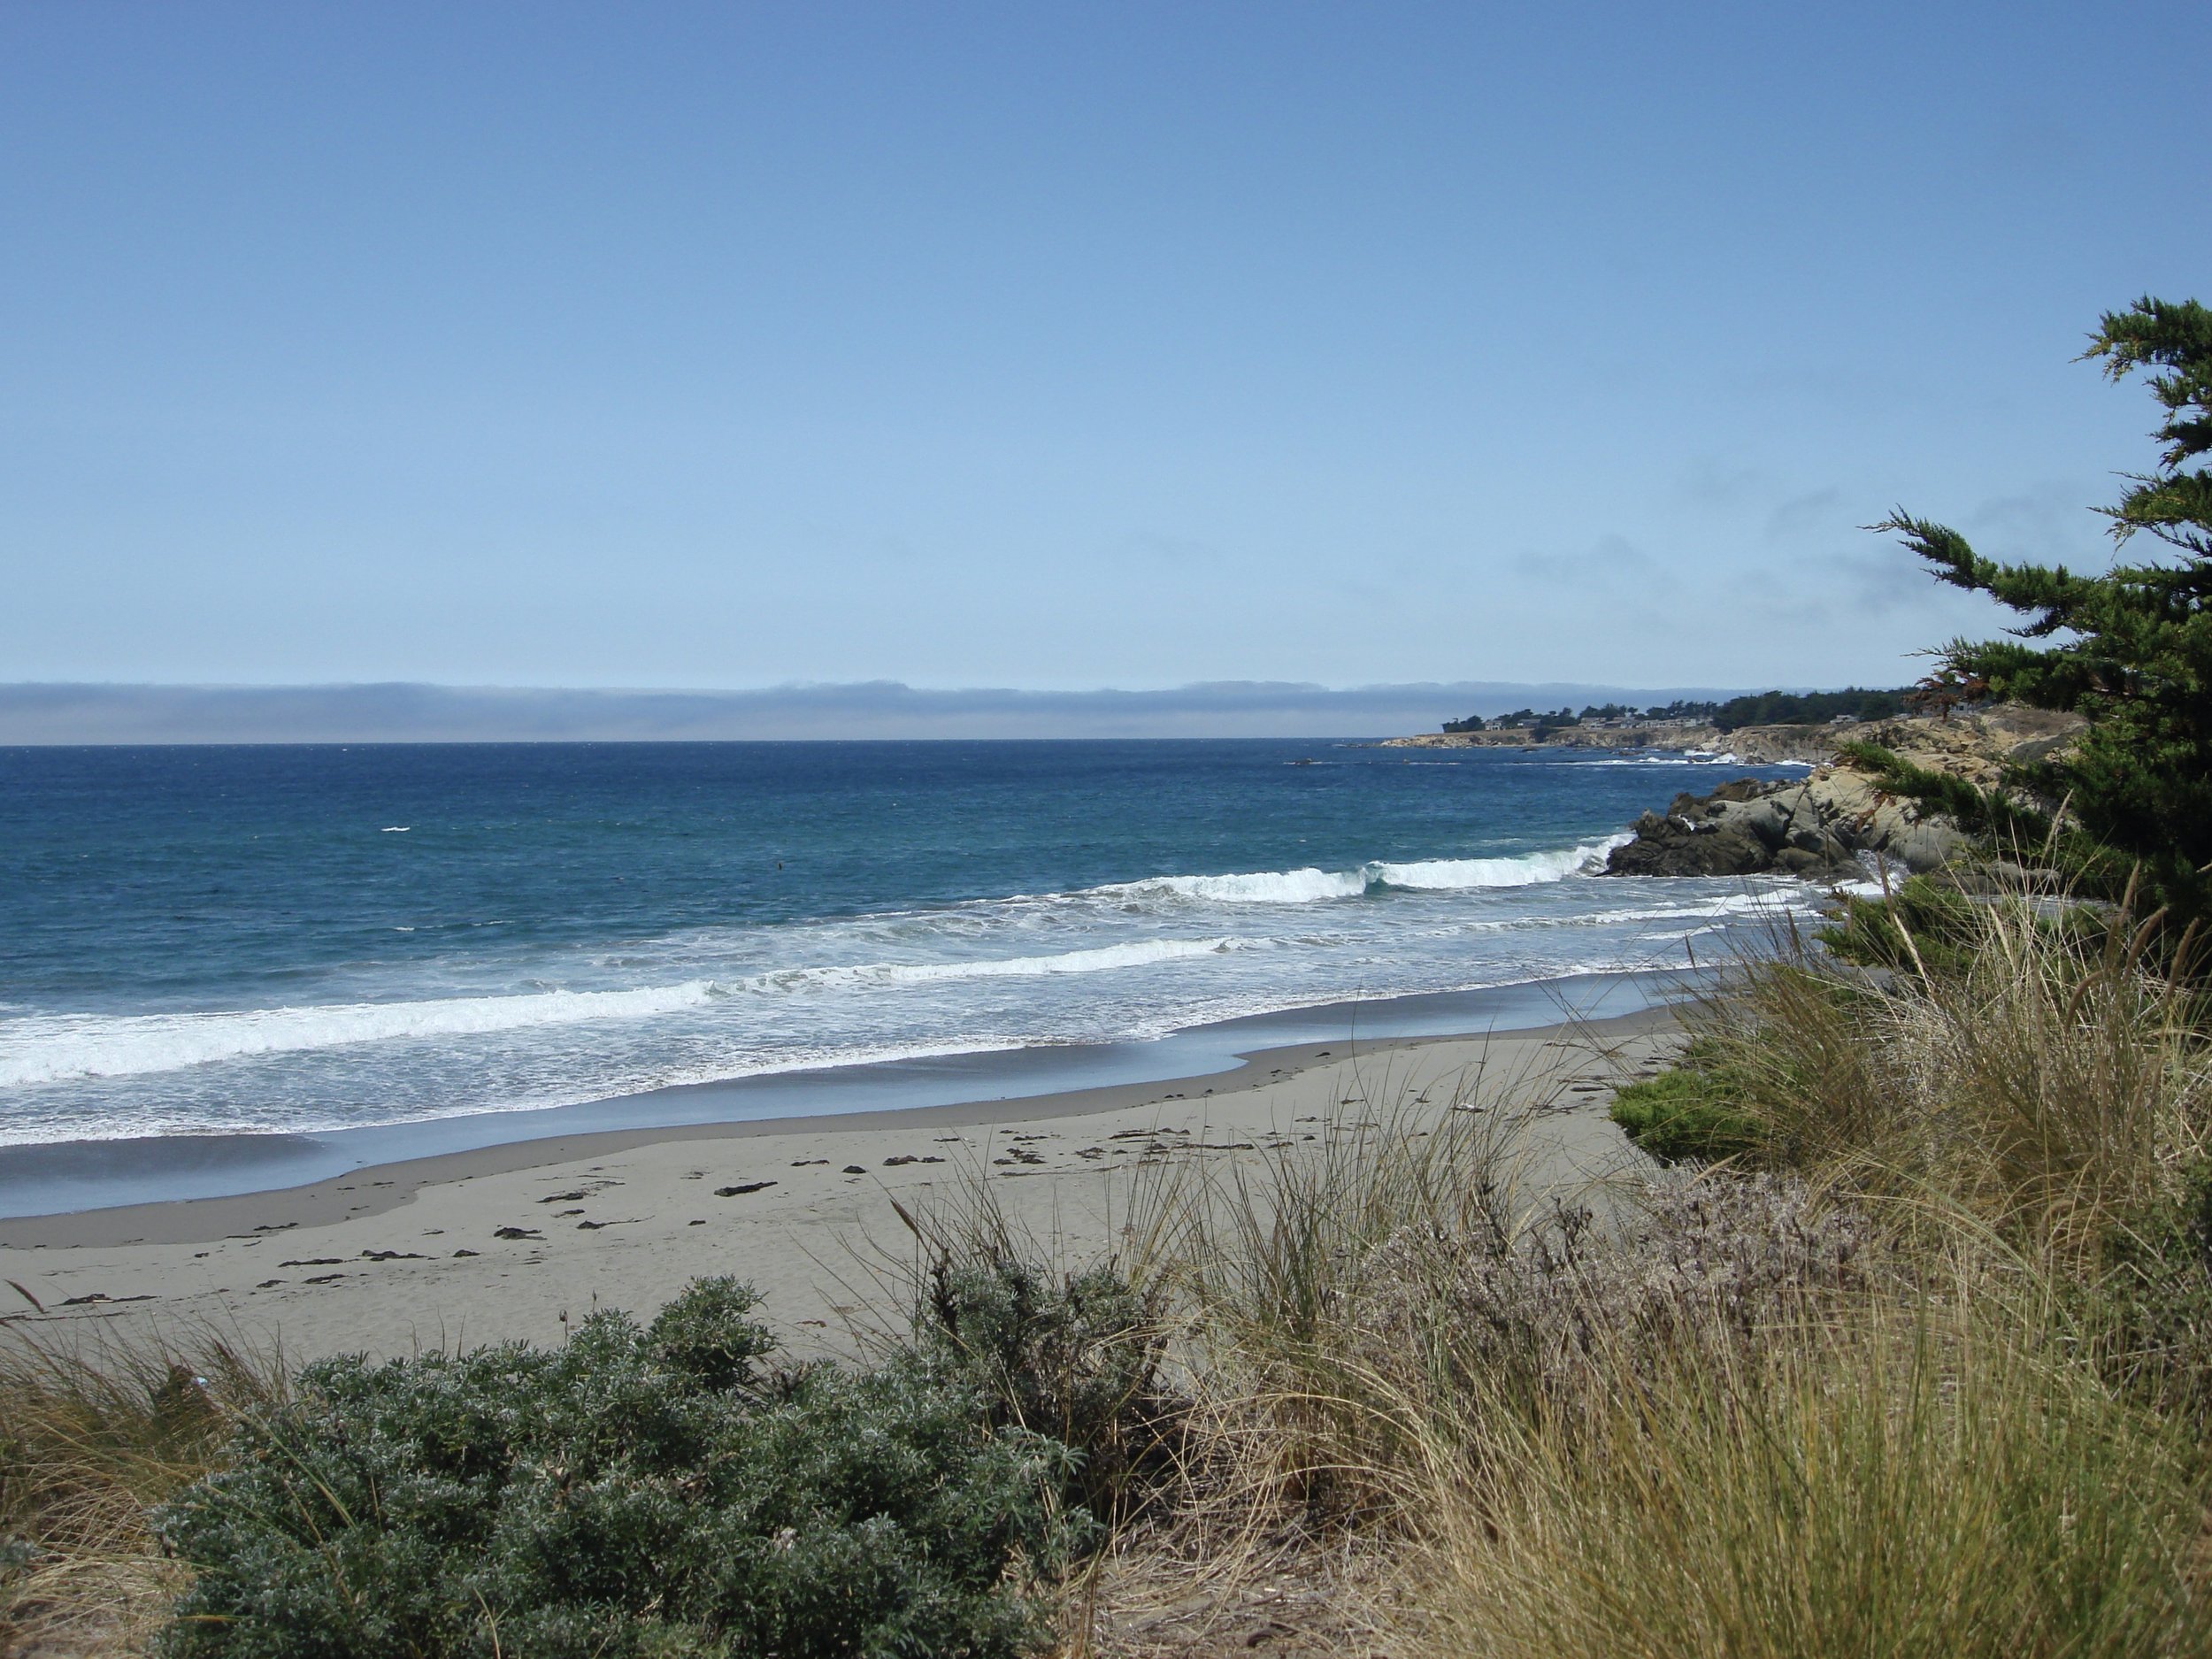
(2054, 1079)
(1849, 1410)
(1930, 1478)
(94, 1435)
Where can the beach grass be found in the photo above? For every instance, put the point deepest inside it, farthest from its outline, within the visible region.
(1922, 1365)
(95, 1434)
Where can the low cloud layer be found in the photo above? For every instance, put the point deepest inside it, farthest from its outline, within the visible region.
(50, 714)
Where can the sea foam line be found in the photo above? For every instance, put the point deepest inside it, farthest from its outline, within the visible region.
(1099, 959)
(54, 1048)
(67, 1048)
(814, 1059)
(1311, 886)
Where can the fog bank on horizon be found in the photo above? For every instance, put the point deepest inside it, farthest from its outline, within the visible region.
(49, 714)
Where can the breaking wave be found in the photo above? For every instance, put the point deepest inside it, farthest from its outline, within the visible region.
(1311, 886)
(710, 989)
(1104, 959)
(57, 1049)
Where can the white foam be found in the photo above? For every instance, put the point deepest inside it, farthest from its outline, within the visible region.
(1445, 875)
(77, 1046)
(1776, 901)
(1264, 887)
(58, 1048)
(809, 1059)
(1311, 886)
(1101, 959)
(1678, 760)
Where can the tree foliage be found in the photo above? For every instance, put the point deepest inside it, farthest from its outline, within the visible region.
(2131, 647)
(1808, 707)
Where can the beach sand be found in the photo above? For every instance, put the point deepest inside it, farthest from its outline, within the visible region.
(521, 1240)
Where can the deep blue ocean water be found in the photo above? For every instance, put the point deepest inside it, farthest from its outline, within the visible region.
(319, 938)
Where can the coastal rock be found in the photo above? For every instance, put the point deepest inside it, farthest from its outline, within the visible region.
(1979, 746)
(1816, 830)
(1826, 827)
(1677, 735)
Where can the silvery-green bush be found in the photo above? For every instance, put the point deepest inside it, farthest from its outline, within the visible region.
(1075, 1356)
(640, 1491)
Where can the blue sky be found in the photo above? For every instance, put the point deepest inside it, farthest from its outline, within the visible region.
(1059, 347)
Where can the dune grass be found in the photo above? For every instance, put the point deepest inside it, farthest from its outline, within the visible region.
(2050, 1080)
(95, 1434)
(1924, 1479)
(1869, 1384)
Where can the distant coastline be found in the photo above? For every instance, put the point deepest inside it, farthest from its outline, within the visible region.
(1752, 745)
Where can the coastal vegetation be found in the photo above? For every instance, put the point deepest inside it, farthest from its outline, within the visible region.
(1906, 1346)
(1768, 708)
(643, 1490)
(2131, 647)
(1809, 708)
(1899, 1340)
(93, 1440)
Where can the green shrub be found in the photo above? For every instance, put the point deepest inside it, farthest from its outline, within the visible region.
(2150, 1312)
(1076, 1359)
(637, 1492)
(1871, 932)
(1685, 1112)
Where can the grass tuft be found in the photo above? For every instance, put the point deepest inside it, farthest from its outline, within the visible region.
(94, 1435)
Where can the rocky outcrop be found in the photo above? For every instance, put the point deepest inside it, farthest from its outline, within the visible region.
(1817, 829)
(1825, 826)
(1978, 746)
(1764, 745)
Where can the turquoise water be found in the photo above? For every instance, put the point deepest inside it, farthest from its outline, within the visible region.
(307, 940)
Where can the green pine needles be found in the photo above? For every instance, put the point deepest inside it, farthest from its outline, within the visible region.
(2131, 648)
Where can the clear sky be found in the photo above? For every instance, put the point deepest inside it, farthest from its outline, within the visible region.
(1059, 346)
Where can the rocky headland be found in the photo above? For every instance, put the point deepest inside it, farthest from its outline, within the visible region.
(1755, 745)
(1825, 827)
(1815, 829)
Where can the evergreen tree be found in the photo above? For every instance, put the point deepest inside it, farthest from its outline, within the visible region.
(2131, 648)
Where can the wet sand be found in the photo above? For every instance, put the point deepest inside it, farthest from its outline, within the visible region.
(519, 1241)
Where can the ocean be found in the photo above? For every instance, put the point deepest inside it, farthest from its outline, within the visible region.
(316, 939)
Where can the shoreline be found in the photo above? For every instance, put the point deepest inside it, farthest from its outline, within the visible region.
(43, 1182)
(373, 1189)
(508, 1242)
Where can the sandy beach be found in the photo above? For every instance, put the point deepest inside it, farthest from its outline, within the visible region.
(519, 1241)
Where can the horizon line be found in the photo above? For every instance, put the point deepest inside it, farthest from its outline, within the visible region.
(72, 713)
